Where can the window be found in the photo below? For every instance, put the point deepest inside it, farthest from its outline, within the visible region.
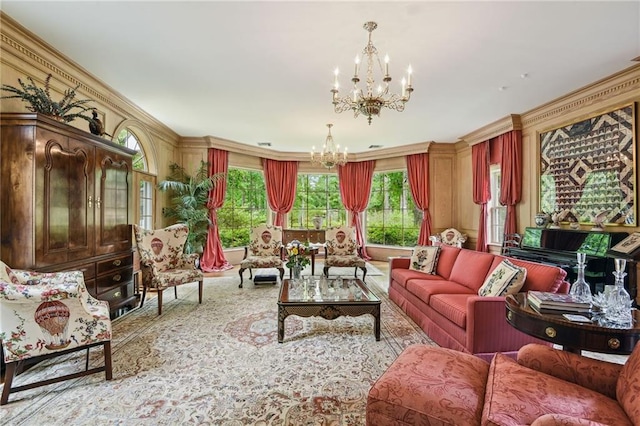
(391, 217)
(145, 198)
(497, 213)
(245, 206)
(317, 196)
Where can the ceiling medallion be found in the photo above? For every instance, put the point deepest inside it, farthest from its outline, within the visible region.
(330, 155)
(369, 102)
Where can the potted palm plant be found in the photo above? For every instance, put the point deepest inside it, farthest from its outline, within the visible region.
(39, 100)
(188, 202)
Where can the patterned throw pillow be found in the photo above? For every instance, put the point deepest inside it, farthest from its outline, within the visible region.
(507, 278)
(425, 259)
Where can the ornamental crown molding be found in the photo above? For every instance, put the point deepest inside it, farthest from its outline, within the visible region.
(497, 128)
(623, 85)
(194, 142)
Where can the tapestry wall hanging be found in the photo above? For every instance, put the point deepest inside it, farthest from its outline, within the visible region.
(587, 169)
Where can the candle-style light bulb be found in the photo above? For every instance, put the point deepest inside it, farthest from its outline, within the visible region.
(386, 64)
(335, 78)
(409, 72)
(357, 64)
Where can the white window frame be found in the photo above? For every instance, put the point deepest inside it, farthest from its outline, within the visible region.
(496, 213)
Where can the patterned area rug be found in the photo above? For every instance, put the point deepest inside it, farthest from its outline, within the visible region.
(219, 363)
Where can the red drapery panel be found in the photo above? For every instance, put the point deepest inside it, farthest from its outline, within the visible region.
(418, 173)
(511, 170)
(481, 190)
(213, 256)
(280, 178)
(355, 187)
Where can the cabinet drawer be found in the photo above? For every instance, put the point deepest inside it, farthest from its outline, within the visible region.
(88, 270)
(115, 278)
(116, 295)
(115, 263)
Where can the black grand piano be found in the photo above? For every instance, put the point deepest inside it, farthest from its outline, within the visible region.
(559, 246)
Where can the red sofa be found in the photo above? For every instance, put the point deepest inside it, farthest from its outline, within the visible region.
(447, 306)
(439, 386)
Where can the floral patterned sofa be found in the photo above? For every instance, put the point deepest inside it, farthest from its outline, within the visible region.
(445, 301)
(545, 386)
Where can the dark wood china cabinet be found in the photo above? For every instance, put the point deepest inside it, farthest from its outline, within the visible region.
(65, 197)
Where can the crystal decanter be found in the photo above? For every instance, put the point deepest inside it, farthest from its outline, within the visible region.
(580, 288)
(618, 304)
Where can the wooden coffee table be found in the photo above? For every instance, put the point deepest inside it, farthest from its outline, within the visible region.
(573, 336)
(328, 308)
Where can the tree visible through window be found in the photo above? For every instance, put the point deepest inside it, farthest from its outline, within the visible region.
(317, 196)
(391, 217)
(245, 206)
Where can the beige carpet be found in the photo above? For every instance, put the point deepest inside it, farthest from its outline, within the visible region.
(219, 363)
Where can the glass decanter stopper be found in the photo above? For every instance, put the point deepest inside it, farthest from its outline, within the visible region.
(618, 309)
(580, 288)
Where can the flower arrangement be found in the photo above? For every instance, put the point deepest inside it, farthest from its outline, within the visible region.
(298, 255)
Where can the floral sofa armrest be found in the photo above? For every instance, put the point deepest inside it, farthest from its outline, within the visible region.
(594, 374)
(563, 420)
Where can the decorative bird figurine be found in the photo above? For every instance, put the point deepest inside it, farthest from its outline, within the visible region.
(95, 125)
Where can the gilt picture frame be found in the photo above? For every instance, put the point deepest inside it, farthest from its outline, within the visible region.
(587, 169)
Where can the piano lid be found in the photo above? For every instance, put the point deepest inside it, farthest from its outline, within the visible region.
(593, 243)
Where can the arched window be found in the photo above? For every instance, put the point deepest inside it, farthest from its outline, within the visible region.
(144, 198)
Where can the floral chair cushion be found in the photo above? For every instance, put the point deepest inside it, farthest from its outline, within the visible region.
(42, 313)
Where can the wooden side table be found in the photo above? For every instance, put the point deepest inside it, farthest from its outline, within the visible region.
(572, 336)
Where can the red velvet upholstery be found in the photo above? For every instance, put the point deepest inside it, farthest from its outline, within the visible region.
(399, 397)
(447, 307)
(439, 386)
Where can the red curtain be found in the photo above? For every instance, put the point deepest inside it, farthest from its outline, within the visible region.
(418, 173)
(280, 178)
(511, 170)
(355, 187)
(481, 189)
(213, 257)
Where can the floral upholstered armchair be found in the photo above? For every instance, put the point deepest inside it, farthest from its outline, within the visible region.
(450, 237)
(44, 315)
(264, 250)
(163, 261)
(342, 250)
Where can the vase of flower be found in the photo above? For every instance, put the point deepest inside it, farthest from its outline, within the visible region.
(298, 258)
(296, 270)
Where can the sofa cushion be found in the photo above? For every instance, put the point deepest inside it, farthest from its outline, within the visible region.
(471, 268)
(517, 395)
(505, 279)
(402, 276)
(451, 306)
(540, 277)
(7, 275)
(429, 386)
(425, 259)
(424, 289)
(628, 386)
(446, 260)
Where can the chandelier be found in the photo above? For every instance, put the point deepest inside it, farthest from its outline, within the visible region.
(369, 102)
(330, 155)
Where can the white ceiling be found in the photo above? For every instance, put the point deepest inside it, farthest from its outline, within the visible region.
(262, 71)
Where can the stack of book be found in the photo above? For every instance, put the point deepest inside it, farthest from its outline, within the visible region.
(556, 303)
